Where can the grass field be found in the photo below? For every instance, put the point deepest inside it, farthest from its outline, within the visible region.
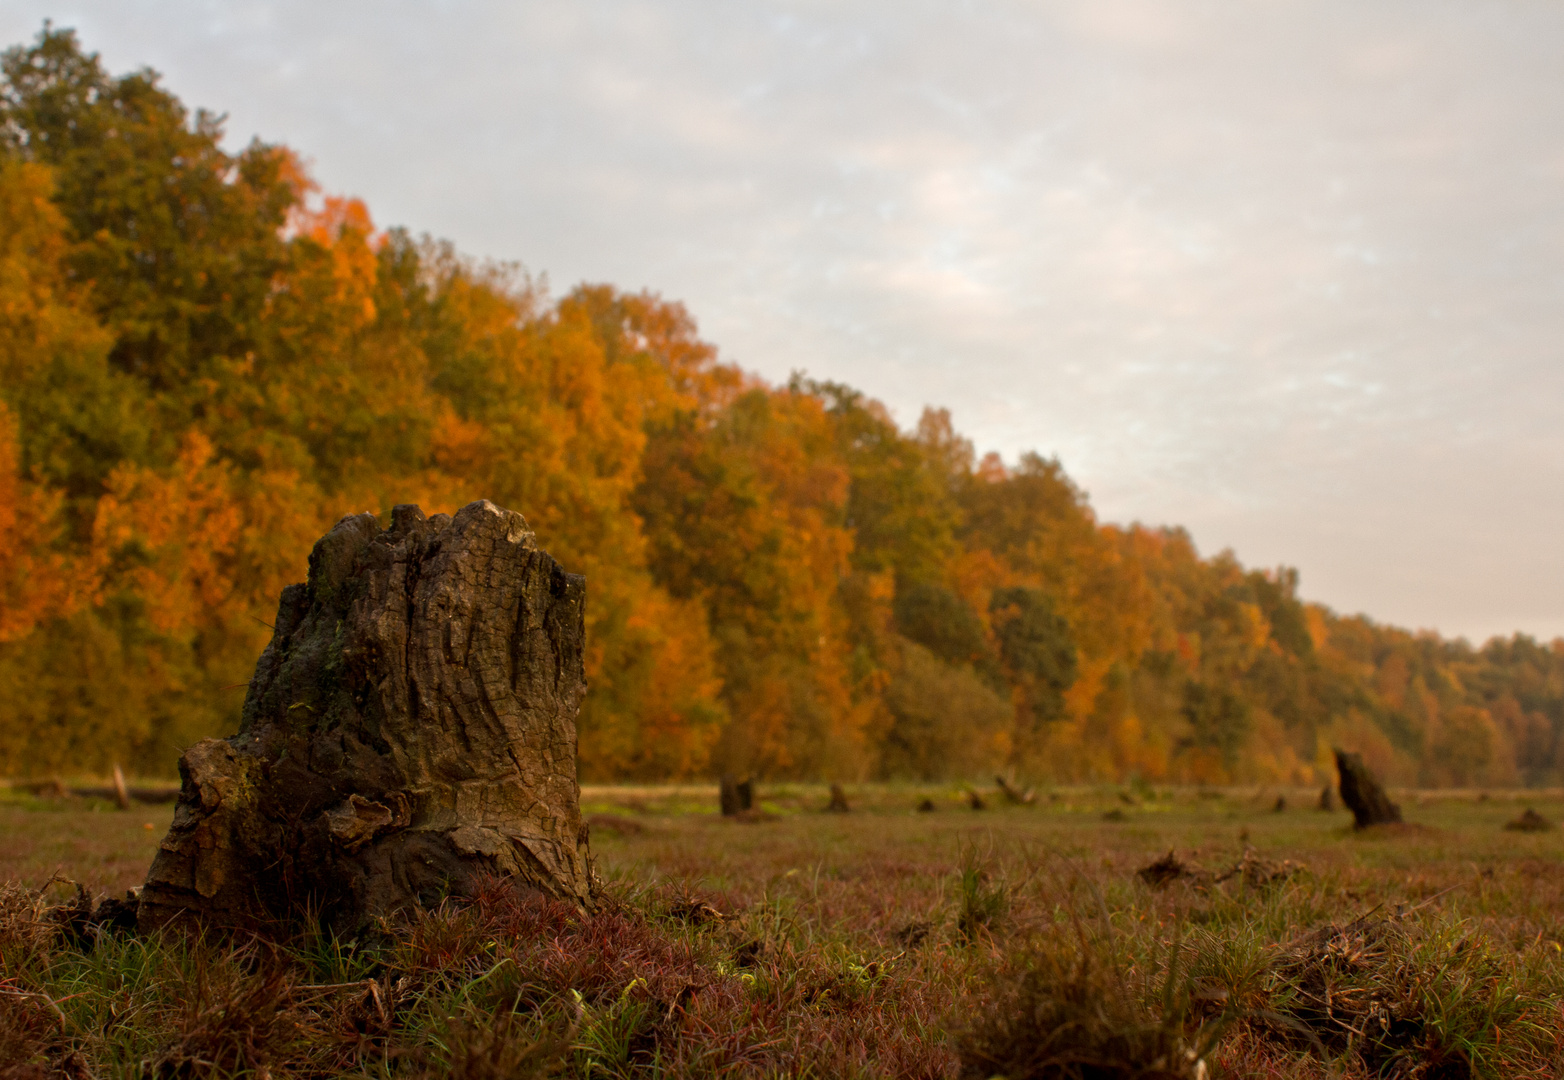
(1015, 941)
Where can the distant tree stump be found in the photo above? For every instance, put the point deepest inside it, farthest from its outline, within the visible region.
(1165, 870)
(1327, 798)
(1362, 794)
(410, 729)
(736, 798)
(838, 804)
(1530, 821)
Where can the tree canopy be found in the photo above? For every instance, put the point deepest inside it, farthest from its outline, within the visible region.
(204, 362)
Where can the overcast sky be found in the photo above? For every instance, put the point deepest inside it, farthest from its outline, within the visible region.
(1286, 272)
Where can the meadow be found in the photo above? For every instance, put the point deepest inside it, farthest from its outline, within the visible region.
(1019, 941)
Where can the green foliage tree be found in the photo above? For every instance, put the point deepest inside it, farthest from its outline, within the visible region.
(179, 239)
(1036, 646)
(947, 722)
(901, 512)
(1219, 720)
(942, 622)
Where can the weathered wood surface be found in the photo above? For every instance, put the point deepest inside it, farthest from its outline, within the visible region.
(410, 729)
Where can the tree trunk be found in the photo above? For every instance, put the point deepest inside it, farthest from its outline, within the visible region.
(1362, 794)
(410, 729)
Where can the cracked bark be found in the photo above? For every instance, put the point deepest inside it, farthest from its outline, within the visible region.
(376, 766)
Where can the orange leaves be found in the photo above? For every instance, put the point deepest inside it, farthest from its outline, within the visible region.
(747, 514)
(652, 712)
(169, 540)
(328, 286)
(335, 261)
(653, 343)
(37, 581)
(36, 312)
(460, 447)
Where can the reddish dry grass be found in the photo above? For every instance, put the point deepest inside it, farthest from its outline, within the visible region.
(686, 996)
(823, 946)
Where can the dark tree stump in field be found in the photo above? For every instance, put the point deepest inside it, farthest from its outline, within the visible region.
(736, 798)
(838, 804)
(1327, 798)
(1363, 795)
(1167, 869)
(410, 729)
(1530, 821)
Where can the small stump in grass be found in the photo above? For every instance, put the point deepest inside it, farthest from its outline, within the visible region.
(1167, 869)
(735, 798)
(1362, 793)
(1530, 821)
(838, 804)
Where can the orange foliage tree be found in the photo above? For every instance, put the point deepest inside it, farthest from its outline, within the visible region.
(204, 362)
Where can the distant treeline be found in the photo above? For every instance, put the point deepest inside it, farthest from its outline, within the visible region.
(204, 363)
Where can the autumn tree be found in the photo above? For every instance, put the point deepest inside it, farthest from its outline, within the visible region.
(205, 361)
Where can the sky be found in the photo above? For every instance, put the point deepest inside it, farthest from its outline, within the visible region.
(1287, 273)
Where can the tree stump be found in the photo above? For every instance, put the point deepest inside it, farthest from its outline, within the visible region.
(1362, 794)
(838, 804)
(410, 729)
(736, 798)
(1530, 821)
